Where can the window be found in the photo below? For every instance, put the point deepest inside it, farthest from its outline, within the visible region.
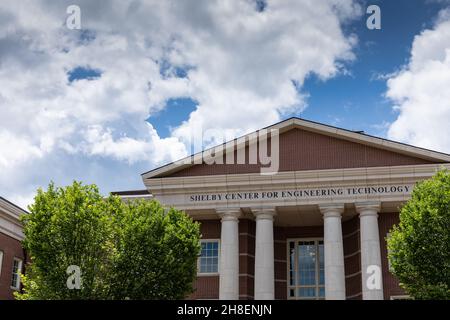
(306, 270)
(1, 262)
(208, 262)
(15, 279)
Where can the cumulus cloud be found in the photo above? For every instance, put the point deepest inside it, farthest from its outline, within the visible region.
(244, 66)
(100, 142)
(421, 90)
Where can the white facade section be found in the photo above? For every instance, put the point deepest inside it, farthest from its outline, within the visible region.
(372, 282)
(334, 252)
(229, 254)
(264, 254)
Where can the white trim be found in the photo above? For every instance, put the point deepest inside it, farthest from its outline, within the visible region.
(1, 261)
(400, 297)
(10, 223)
(313, 127)
(10, 209)
(348, 235)
(208, 274)
(137, 196)
(305, 177)
(246, 275)
(11, 226)
(352, 254)
(176, 191)
(352, 274)
(353, 296)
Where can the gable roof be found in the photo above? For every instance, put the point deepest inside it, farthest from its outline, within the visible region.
(314, 127)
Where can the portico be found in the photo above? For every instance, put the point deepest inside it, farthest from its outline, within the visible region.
(264, 274)
(315, 229)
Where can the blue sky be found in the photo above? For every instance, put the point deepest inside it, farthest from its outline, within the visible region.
(123, 93)
(356, 100)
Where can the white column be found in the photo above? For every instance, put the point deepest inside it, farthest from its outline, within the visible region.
(264, 256)
(229, 254)
(372, 280)
(334, 252)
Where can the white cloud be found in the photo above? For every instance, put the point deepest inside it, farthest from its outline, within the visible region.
(241, 65)
(421, 91)
(20, 150)
(248, 60)
(100, 142)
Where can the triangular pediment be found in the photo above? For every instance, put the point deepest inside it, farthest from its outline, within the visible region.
(306, 145)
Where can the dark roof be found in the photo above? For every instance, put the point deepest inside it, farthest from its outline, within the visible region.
(131, 193)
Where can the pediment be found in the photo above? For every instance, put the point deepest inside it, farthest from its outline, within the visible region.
(305, 145)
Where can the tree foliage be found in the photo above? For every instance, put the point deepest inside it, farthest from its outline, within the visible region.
(136, 249)
(156, 254)
(419, 247)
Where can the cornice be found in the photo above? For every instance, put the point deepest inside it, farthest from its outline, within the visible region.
(400, 174)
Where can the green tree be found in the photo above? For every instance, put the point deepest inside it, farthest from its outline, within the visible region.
(69, 226)
(157, 252)
(114, 243)
(419, 247)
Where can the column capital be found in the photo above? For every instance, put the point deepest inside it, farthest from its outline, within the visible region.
(229, 214)
(368, 208)
(331, 210)
(262, 213)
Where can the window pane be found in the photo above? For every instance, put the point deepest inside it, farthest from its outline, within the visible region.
(209, 257)
(291, 263)
(321, 264)
(291, 293)
(15, 280)
(321, 292)
(306, 263)
(307, 292)
(202, 267)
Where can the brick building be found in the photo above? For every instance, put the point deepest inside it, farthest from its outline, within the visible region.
(314, 229)
(12, 255)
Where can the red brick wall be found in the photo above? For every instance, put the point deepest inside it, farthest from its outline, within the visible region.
(305, 150)
(207, 287)
(246, 259)
(352, 259)
(11, 248)
(390, 283)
